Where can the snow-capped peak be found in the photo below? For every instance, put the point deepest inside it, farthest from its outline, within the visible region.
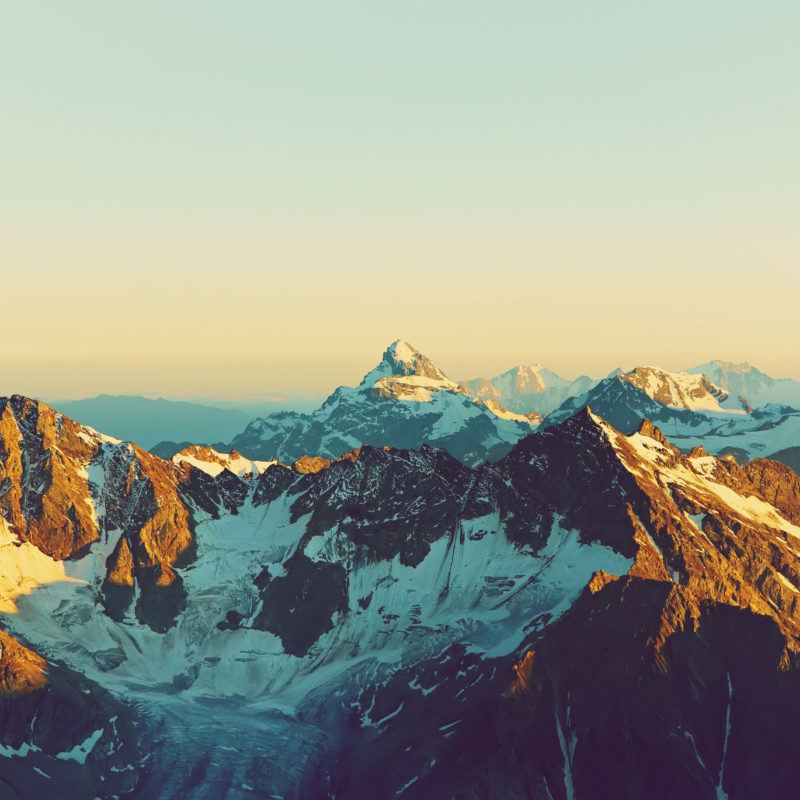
(403, 366)
(678, 389)
(404, 359)
(528, 388)
(213, 462)
(527, 378)
(401, 351)
(726, 373)
(521, 380)
(748, 383)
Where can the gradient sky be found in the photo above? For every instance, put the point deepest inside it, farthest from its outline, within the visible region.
(234, 199)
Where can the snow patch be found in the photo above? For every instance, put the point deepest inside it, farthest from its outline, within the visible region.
(81, 751)
(24, 569)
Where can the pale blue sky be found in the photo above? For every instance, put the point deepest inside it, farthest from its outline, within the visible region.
(233, 198)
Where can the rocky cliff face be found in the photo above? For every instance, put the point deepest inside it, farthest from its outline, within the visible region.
(45, 498)
(593, 615)
(66, 487)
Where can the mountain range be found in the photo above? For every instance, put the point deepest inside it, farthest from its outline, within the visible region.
(150, 420)
(407, 401)
(705, 418)
(744, 380)
(594, 606)
(528, 389)
(404, 401)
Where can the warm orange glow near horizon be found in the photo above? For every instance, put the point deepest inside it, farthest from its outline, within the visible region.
(267, 221)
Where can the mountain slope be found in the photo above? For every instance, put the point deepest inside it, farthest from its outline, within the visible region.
(57, 729)
(624, 405)
(641, 689)
(655, 684)
(149, 421)
(405, 401)
(789, 456)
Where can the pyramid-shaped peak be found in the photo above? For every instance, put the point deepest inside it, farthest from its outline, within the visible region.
(403, 351)
(402, 358)
(583, 441)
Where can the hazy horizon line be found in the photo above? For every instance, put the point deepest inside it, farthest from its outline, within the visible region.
(318, 394)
